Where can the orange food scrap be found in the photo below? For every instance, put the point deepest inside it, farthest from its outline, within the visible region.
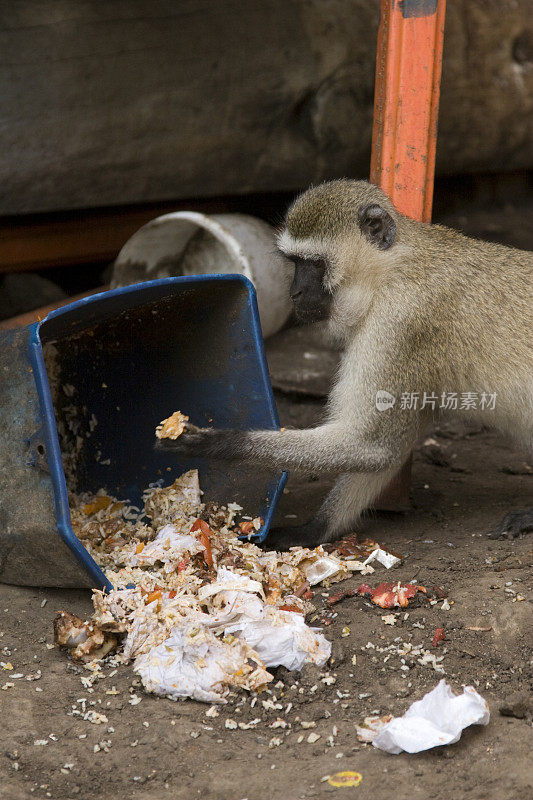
(291, 608)
(98, 504)
(246, 527)
(172, 427)
(139, 548)
(205, 538)
(155, 595)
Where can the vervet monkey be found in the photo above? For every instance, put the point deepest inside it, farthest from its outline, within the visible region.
(422, 312)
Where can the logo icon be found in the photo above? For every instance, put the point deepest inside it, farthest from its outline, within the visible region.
(384, 400)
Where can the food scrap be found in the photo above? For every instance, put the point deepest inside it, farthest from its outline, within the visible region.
(345, 779)
(199, 609)
(439, 636)
(366, 551)
(85, 640)
(172, 427)
(389, 595)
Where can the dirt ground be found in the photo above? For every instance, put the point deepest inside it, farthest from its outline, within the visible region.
(157, 748)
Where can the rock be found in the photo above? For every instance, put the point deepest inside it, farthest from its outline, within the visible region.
(302, 360)
(310, 675)
(433, 454)
(24, 291)
(518, 705)
(338, 653)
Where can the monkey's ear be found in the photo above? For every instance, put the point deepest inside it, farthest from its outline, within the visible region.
(377, 226)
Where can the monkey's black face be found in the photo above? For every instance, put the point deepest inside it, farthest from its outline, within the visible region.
(311, 300)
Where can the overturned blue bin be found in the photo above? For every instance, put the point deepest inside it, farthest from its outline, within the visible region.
(82, 391)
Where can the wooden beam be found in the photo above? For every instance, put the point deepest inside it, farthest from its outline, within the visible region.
(79, 238)
(29, 317)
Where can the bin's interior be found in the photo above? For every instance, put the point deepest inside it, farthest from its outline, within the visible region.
(119, 363)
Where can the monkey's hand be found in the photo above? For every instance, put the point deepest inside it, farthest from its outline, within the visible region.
(226, 445)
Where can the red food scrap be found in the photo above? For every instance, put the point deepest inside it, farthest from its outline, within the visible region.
(389, 595)
(291, 608)
(438, 637)
(205, 534)
(336, 598)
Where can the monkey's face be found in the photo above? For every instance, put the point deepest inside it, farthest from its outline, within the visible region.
(337, 235)
(310, 298)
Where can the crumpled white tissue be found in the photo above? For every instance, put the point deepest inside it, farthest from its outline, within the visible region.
(282, 638)
(194, 663)
(168, 546)
(229, 580)
(437, 719)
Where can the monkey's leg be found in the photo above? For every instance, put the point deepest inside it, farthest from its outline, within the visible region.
(351, 495)
(514, 525)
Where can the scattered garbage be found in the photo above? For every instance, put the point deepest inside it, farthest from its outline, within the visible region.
(366, 551)
(437, 719)
(387, 559)
(200, 610)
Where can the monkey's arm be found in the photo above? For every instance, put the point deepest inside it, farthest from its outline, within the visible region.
(327, 448)
(356, 438)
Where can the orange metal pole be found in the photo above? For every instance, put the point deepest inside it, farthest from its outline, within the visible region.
(406, 103)
(404, 136)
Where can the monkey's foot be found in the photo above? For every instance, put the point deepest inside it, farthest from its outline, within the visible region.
(310, 535)
(514, 525)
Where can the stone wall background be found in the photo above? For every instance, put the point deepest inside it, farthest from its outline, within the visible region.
(133, 101)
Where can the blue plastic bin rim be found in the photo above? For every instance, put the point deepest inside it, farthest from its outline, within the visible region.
(50, 431)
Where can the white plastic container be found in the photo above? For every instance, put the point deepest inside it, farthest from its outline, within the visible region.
(190, 243)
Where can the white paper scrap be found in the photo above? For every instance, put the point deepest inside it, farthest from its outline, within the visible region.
(324, 567)
(194, 663)
(387, 559)
(437, 719)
